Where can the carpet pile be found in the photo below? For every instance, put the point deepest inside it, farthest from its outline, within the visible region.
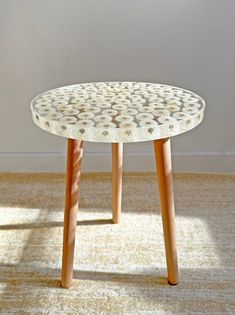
(118, 269)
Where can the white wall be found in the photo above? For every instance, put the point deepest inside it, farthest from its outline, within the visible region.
(49, 43)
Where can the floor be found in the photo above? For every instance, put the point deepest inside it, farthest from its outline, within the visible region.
(119, 269)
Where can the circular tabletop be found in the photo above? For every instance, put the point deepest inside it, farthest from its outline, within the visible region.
(117, 111)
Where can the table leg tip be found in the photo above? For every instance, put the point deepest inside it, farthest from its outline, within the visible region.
(116, 221)
(172, 282)
(65, 285)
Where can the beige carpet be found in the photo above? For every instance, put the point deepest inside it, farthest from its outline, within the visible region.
(119, 269)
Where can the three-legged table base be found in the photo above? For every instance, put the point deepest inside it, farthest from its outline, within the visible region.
(164, 174)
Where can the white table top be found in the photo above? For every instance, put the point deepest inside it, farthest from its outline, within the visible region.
(117, 111)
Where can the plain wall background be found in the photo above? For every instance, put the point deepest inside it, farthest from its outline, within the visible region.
(49, 43)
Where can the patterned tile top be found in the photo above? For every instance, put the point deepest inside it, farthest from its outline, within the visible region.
(117, 111)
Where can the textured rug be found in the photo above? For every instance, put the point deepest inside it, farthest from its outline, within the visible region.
(119, 269)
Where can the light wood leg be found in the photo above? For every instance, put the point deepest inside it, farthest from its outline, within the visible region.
(117, 153)
(162, 150)
(74, 159)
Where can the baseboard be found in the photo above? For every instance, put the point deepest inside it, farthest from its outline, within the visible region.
(133, 162)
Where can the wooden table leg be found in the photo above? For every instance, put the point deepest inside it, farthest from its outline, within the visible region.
(117, 153)
(74, 159)
(162, 150)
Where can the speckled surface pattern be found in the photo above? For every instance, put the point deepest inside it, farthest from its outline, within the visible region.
(119, 269)
(117, 111)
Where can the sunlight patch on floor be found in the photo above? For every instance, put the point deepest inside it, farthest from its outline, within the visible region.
(137, 243)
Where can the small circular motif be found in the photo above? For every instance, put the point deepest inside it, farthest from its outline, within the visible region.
(147, 123)
(107, 124)
(54, 116)
(46, 110)
(119, 107)
(71, 111)
(124, 118)
(102, 118)
(161, 112)
(110, 112)
(85, 123)
(144, 116)
(128, 124)
(167, 120)
(86, 115)
(68, 120)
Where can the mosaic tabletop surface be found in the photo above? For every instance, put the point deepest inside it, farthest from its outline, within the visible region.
(117, 111)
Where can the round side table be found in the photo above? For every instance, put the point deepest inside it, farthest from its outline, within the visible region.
(118, 112)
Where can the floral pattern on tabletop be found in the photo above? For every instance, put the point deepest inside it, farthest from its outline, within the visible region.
(117, 111)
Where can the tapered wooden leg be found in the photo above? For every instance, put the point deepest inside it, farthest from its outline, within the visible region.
(117, 153)
(74, 159)
(164, 169)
